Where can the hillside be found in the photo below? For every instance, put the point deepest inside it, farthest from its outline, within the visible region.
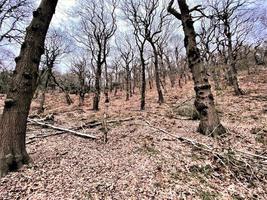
(154, 154)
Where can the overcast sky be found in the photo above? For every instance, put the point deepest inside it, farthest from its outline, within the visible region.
(61, 19)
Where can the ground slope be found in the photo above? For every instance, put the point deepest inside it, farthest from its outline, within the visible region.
(140, 161)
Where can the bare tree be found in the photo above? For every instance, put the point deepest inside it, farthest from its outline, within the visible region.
(55, 48)
(13, 122)
(150, 20)
(97, 26)
(165, 52)
(127, 56)
(231, 20)
(204, 102)
(13, 13)
(130, 11)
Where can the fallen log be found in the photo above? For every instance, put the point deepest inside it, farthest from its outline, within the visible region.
(62, 129)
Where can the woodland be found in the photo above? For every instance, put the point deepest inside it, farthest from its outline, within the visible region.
(133, 99)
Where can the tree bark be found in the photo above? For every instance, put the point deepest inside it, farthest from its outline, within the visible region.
(232, 71)
(143, 78)
(97, 88)
(171, 73)
(44, 90)
(106, 84)
(82, 91)
(204, 102)
(128, 88)
(157, 78)
(13, 122)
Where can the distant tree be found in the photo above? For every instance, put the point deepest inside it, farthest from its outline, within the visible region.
(79, 68)
(130, 10)
(5, 79)
(204, 102)
(55, 48)
(231, 18)
(127, 55)
(150, 20)
(96, 28)
(13, 122)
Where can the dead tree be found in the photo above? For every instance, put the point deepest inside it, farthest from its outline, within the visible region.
(204, 102)
(13, 122)
(97, 27)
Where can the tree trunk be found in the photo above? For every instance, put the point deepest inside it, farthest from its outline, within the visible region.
(157, 78)
(232, 72)
(67, 96)
(13, 122)
(82, 91)
(97, 88)
(216, 77)
(134, 80)
(81, 98)
(143, 87)
(204, 102)
(172, 73)
(44, 90)
(106, 84)
(127, 83)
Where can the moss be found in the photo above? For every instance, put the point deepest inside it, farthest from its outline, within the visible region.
(187, 110)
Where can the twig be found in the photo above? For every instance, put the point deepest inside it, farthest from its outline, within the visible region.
(251, 154)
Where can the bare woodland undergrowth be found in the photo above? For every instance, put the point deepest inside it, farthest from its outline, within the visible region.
(140, 161)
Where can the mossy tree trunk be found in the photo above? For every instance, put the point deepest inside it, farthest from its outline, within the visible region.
(13, 122)
(204, 102)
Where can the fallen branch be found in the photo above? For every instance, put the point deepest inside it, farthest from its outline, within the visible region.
(198, 144)
(108, 122)
(182, 139)
(62, 129)
(33, 139)
(251, 154)
(237, 166)
(73, 130)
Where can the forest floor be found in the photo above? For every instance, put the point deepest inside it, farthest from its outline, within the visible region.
(141, 160)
